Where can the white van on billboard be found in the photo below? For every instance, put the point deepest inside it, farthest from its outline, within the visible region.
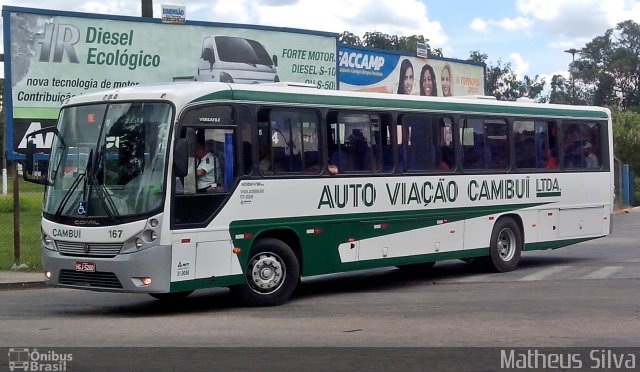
(232, 59)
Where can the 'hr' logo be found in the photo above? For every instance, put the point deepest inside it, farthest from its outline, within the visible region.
(63, 37)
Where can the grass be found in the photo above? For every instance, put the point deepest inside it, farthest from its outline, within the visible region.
(30, 207)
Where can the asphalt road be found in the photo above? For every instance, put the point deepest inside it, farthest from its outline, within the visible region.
(583, 295)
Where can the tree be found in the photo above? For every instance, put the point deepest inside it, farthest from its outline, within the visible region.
(503, 83)
(380, 40)
(626, 138)
(611, 63)
(347, 37)
(564, 91)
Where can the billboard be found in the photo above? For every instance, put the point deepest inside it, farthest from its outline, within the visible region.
(52, 55)
(371, 70)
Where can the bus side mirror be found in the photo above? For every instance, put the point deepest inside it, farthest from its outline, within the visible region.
(275, 60)
(31, 150)
(29, 173)
(180, 158)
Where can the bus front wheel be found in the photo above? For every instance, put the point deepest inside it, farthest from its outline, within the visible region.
(505, 246)
(271, 276)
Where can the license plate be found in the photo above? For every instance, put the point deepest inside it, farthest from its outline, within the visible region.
(86, 266)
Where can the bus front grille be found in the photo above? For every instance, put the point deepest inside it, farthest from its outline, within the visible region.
(88, 249)
(98, 279)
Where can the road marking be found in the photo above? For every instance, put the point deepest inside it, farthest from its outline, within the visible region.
(476, 278)
(543, 273)
(603, 272)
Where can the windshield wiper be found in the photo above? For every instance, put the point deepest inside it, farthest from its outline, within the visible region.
(105, 199)
(74, 186)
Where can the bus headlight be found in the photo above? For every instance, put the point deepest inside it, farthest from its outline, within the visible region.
(133, 245)
(47, 242)
(149, 236)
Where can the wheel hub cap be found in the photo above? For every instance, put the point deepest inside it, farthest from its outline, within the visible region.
(266, 272)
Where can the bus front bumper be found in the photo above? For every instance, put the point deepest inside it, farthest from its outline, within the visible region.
(146, 271)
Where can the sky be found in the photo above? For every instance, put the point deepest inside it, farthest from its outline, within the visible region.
(532, 35)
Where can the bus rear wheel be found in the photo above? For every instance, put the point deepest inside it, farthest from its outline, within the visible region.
(505, 246)
(271, 276)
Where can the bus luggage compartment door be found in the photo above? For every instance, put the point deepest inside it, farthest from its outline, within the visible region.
(581, 221)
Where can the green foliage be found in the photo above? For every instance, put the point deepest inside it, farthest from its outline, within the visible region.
(30, 212)
(626, 138)
(565, 91)
(27, 203)
(611, 64)
(380, 40)
(502, 82)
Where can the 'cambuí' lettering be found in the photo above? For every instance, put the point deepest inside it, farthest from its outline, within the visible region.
(66, 233)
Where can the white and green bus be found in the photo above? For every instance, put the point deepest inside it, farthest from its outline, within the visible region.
(310, 182)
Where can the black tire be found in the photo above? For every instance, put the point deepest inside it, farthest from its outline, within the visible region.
(271, 276)
(505, 246)
(415, 269)
(170, 296)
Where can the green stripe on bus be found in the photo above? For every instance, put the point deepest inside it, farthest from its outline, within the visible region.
(320, 253)
(556, 243)
(409, 260)
(548, 194)
(189, 285)
(410, 220)
(221, 95)
(344, 101)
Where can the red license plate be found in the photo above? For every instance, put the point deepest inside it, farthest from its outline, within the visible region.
(86, 266)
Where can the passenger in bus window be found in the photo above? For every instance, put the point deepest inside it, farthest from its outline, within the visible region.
(445, 81)
(551, 161)
(359, 152)
(428, 85)
(264, 165)
(405, 83)
(590, 159)
(334, 158)
(572, 148)
(446, 158)
(208, 170)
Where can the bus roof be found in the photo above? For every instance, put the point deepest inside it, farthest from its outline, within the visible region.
(183, 94)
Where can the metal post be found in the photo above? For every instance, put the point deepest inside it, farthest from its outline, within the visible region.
(4, 174)
(626, 192)
(147, 8)
(16, 215)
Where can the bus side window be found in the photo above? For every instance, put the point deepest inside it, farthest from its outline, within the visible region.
(582, 145)
(288, 141)
(484, 143)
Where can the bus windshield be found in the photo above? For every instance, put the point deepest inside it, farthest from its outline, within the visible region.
(110, 160)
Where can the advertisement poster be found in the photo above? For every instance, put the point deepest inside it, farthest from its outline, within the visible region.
(55, 55)
(368, 70)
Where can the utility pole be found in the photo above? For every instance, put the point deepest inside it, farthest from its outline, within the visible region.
(572, 70)
(147, 8)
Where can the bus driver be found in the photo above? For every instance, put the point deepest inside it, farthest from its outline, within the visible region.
(207, 173)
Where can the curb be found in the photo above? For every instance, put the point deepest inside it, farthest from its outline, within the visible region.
(626, 210)
(22, 285)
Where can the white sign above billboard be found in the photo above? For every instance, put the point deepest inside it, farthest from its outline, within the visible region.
(173, 14)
